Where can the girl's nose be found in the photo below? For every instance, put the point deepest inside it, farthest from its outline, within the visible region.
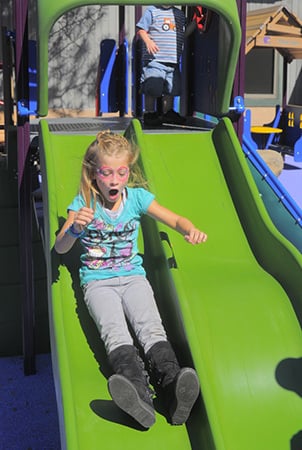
(114, 179)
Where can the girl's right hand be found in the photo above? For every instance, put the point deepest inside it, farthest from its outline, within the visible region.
(82, 218)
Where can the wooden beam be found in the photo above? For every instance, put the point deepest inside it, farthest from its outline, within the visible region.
(249, 46)
(285, 29)
(278, 42)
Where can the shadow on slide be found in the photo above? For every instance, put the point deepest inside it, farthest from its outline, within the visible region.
(232, 307)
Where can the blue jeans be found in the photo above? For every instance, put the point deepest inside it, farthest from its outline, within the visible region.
(159, 79)
(111, 301)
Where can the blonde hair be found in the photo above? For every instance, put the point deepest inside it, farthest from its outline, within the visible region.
(109, 144)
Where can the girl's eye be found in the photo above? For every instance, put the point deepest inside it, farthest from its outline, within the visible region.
(123, 172)
(105, 172)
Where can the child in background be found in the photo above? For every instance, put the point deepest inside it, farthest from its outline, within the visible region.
(105, 216)
(162, 29)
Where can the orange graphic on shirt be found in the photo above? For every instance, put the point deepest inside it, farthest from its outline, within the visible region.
(168, 25)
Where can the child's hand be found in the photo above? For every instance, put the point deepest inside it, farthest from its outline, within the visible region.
(152, 48)
(83, 218)
(195, 236)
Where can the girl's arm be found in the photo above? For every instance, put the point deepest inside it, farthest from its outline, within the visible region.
(181, 224)
(78, 220)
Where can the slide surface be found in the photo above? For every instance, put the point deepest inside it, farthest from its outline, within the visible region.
(232, 306)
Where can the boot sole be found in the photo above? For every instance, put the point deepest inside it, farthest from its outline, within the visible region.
(126, 397)
(186, 393)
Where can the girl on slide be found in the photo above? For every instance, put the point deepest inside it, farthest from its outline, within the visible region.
(105, 216)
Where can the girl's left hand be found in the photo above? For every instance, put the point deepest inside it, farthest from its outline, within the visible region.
(196, 236)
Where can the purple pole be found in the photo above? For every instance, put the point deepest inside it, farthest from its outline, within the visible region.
(24, 188)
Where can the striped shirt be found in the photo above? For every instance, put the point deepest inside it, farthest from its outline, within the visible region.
(166, 27)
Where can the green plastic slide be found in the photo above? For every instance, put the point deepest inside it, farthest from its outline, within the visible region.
(232, 306)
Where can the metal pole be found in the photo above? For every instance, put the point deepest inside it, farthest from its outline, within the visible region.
(137, 103)
(7, 76)
(239, 82)
(24, 188)
(121, 62)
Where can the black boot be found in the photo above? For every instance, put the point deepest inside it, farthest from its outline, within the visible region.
(179, 387)
(129, 386)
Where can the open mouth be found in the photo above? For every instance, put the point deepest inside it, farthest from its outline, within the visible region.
(113, 192)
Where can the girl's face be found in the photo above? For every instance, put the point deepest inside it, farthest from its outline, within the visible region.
(111, 178)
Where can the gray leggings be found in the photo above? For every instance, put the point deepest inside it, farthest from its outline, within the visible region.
(110, 301)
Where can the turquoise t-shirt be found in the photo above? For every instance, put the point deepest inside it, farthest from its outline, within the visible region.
(110, 244)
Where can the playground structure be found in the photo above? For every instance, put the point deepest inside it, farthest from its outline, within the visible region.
(232, 309)
(276, 27)
(291, 137)
(283, 210)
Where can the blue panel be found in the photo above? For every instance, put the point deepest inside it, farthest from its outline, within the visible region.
(32, 75)
(107, 60)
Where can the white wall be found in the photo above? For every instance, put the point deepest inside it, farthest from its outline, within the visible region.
(74, 53)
